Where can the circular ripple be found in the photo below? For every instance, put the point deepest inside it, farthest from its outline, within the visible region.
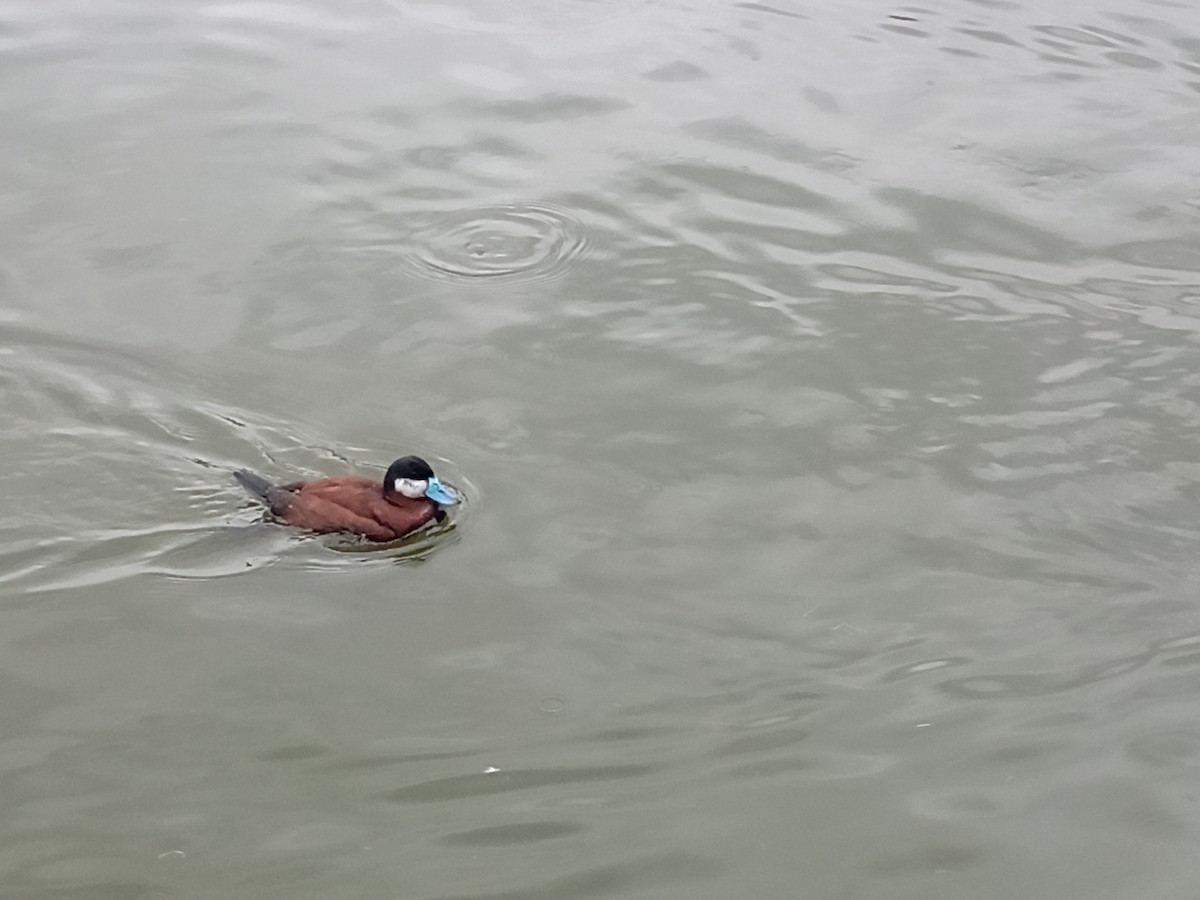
(524, 241)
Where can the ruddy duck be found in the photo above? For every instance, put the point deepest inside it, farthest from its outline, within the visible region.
(409, 497)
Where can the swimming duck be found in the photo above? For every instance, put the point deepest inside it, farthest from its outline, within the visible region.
(409, 497)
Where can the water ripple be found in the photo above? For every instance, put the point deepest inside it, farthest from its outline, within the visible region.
(512, 834)
(508, 17)
(479, 784)
(155, 497)
(525, 241)
(645, 875)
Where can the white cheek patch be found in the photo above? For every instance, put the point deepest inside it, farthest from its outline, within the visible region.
(411, 488)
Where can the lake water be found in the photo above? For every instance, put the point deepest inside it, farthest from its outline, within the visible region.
(824, 381)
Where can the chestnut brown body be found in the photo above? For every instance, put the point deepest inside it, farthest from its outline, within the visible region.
(349, 503)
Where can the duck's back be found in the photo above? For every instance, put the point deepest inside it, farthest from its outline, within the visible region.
(348, 490)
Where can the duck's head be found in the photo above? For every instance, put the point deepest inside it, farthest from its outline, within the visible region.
(412, 477)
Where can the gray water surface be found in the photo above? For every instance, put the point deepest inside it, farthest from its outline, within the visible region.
(824, 381)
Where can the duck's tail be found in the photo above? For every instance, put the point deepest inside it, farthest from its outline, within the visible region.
(255, 484)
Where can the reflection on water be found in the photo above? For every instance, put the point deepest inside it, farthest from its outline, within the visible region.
(416, 547)
(822, 384)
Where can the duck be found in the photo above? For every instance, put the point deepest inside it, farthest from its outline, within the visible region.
(409, 497)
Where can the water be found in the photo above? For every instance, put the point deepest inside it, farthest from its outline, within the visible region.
(823, 383)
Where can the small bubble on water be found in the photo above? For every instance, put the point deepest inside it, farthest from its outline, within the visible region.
(552, 704)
